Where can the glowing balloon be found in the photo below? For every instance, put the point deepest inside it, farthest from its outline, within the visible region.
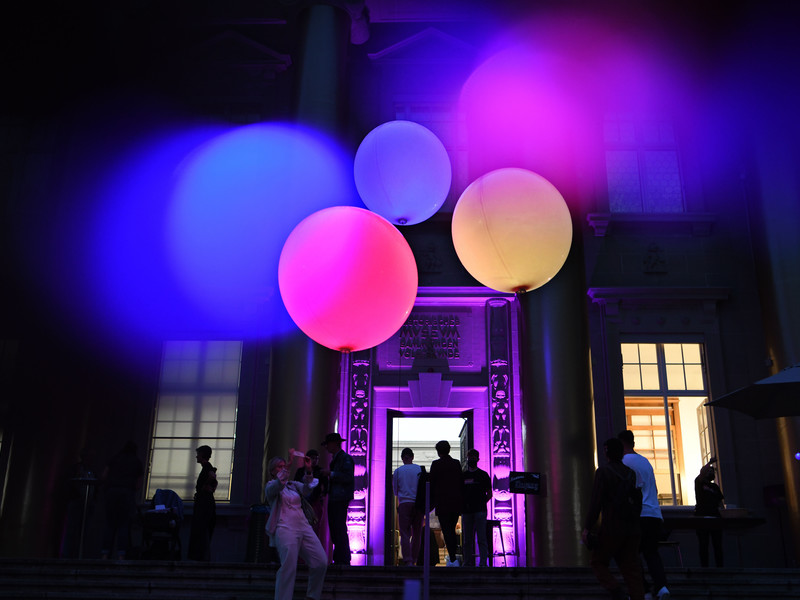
(512, 230)
(234, 201)
(402, 172)
(347, 278)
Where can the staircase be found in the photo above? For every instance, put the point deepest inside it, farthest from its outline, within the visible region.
(24, 579)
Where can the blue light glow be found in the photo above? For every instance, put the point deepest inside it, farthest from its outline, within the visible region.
(184, 229)
(235, 201)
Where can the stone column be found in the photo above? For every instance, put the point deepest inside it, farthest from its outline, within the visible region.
(303, 396)
(776, 216)
(304, 383)
(557, 411)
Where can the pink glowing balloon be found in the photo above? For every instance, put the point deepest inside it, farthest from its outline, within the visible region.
(512, 230)
(347, 278)
(402, 172)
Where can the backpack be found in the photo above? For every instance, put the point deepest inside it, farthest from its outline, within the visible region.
(627, 498)
(419, 501)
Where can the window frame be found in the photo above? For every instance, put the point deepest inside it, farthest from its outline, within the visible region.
(201, 390)
(641, 147)
(669, 396)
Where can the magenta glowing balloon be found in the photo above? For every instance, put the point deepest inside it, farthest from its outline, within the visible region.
(347, 278)
(402, 172)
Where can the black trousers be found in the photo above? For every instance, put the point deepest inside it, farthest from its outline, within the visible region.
(448, 522)
(204, 520)
(337, 523)
(703, 536)
(651, 534)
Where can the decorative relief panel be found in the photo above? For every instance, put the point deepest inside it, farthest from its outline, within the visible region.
(358, 447)
(500, 398)
(442, 339)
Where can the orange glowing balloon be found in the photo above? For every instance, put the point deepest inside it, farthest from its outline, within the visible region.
(512, 230)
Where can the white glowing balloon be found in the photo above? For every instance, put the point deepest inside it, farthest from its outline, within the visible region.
(402, 172)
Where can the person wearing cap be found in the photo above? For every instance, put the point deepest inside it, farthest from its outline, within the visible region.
(341, 487)
(316, 499)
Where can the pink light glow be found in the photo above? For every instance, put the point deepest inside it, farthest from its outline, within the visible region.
(347, 277)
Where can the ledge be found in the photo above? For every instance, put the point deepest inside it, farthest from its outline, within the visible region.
(615, 297)
(694, 224)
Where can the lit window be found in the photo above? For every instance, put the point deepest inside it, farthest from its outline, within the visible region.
(642, 166)
(197, 405)
(664, 397)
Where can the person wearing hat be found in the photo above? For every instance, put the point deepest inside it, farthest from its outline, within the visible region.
(341, 486)
(316, 499)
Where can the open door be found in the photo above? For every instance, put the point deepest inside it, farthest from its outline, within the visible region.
(465, 438)
(420, 432)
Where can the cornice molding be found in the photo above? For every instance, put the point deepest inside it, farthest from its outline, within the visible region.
(615, 298)
(695, 224)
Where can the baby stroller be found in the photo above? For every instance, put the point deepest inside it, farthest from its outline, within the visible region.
(161, 526)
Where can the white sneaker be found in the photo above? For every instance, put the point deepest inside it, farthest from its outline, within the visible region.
(663, 593)
(455, 563)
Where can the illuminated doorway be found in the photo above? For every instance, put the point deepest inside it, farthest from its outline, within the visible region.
(421, 434)
(454, 357)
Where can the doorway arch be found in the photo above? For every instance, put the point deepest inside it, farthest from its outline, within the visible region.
(455, 355)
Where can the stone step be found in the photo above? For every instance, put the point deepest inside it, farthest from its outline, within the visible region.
(166, 580)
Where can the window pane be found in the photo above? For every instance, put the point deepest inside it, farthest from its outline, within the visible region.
(631, 379)
(662, 182)
(691, 353)
(694, 377)
(673, 353)
(650, 377)
(624, 189)
(630, 353)
(197, 405)
(648, 353)
(675, 380)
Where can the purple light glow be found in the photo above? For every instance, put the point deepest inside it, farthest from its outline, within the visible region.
(516, 108)
(535, 101)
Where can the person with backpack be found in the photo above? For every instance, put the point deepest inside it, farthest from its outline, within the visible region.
(616, 497)
(651, 518)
